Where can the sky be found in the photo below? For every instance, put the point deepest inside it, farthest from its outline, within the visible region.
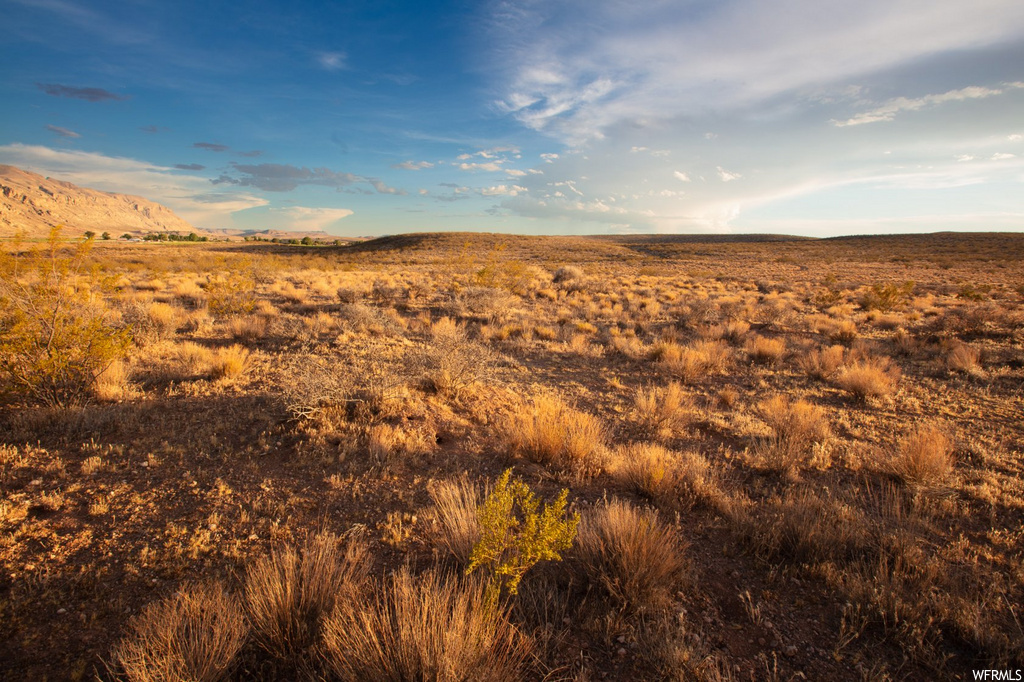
(809, 117)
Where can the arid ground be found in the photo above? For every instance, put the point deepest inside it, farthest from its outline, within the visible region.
(789, 458)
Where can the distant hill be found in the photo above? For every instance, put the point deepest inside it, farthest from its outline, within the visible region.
(33, 204)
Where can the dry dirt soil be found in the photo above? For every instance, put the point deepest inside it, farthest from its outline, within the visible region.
(829, 434)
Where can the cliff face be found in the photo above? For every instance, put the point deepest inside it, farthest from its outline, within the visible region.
(33, 204)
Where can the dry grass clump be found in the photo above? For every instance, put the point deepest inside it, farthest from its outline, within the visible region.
(193, 636)
(695, 361)
(796, 428)
(843, 331)
(869, 378)
(629, 551)
(230, 362)
(548, 431)
(386, 443)
(961, 357)
(648, 468)
(290, 592)
(111, 384)
(455, 504)
(163, 319)
(805, 525)
(450, 363)
(662, 410)
(924, 456)
(195, 360)
(247, 329)
(766, 351)
(822, 364)
(429, 627)
(566, 274)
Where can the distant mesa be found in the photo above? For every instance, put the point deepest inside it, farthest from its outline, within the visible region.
(33, 204)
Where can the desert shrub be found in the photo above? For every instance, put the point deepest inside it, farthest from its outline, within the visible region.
(151, 321)
(869, 378)
(386, 292)
(766, 351)
(648, 468)
(630, 552)
(230, 362)
(231, 294)
(425, 628)
(247, 329)
(796, 428)
(194, 636)
(488, 304)
(319, 386)
(567, 273)
(455, 506)
(961, 357)
(450, 363)
(195, 359)
(689, 363)
(516, 534)
(885, 297)
(662, 410)
(804, 525)
(112, 383)
(56, 337)
(290, 591)
(697, 311)
(822, 364)
(924, 456)
(843, 331)
(386, 443)
(548, 431)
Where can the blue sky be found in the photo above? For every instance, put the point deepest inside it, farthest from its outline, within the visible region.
(809, 117)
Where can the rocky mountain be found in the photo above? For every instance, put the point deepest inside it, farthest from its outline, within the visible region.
(33, 204)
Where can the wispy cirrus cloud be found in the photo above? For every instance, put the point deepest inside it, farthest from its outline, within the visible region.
(574, 79)
(332, 61)
(88, 94)
(279, 177)
(62, 132)
(889, 110)
(211, 146)
(413, 165)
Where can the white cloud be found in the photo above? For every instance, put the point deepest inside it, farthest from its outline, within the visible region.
(502, 190)
(413, 165)
(189, 196)
(888, 111)
(490, 166)
(307, 219)
(515, 172)
(628, 62)
(332, 61)
(726, 176)
(682, 177)
(1003, 156)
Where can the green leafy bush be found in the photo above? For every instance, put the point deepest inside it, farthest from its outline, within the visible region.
(56, 333)
(515, 533)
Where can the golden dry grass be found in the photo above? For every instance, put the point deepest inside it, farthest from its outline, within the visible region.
(427, 627)
(548, 431)
(193, 636)
(290, 591)
(632, 554)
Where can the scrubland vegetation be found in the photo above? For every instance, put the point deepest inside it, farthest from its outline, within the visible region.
(483, 457)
